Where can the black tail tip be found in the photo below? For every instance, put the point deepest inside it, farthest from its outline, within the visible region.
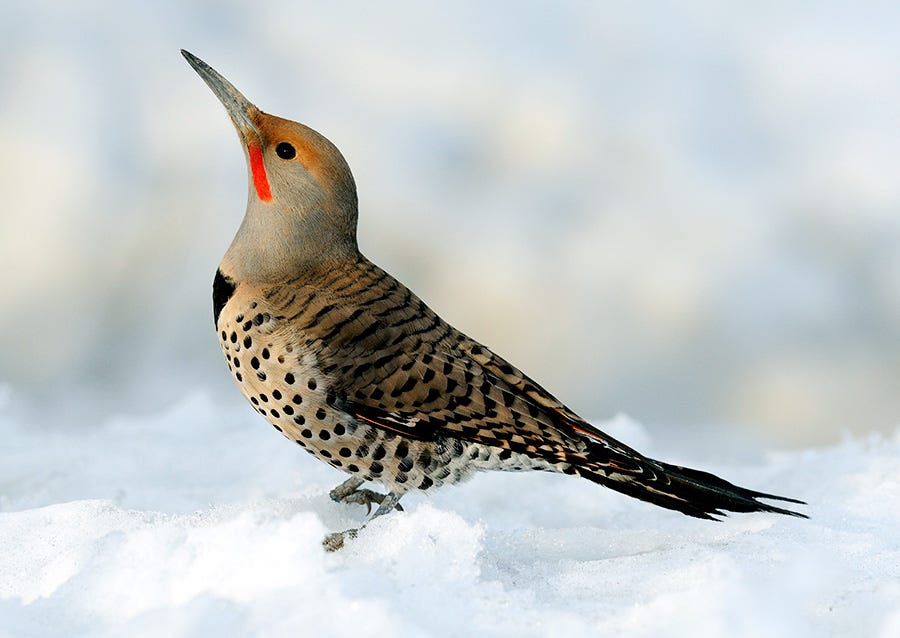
(713, 495)
(765, 507)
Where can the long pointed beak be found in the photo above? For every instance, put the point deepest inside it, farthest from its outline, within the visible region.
(240, 109)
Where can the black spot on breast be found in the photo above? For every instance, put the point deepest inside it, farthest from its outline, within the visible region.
(223, 289)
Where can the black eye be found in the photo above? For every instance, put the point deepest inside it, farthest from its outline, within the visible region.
(285, 151)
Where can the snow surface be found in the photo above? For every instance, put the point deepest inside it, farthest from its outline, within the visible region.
(201, 522)
(687, 212)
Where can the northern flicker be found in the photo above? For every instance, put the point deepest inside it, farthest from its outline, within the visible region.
(349, 364)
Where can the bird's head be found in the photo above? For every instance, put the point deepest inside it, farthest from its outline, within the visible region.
(301, 206)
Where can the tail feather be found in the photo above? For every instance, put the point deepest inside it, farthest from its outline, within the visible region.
(692, 492)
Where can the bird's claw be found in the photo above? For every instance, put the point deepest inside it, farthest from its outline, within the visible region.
(335, 541)
(367, 497)
(349, 492)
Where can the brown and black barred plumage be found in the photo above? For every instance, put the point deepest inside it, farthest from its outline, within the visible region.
(348, 363)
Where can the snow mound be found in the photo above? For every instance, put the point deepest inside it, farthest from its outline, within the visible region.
(198, 522)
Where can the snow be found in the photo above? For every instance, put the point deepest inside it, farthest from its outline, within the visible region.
(202, 521)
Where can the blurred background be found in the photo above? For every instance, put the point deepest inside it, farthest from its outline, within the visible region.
(689, 213)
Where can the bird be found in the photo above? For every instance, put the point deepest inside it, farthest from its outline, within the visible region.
(349, 364)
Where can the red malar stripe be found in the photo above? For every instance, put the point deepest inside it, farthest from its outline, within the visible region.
(260, 181)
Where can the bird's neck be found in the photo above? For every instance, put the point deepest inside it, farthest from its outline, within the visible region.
(272, 246)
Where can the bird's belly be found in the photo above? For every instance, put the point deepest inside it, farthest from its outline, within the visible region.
(280, 375)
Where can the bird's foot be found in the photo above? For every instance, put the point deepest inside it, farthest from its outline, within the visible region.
(335, 541)
(367, 497)
(349, 492)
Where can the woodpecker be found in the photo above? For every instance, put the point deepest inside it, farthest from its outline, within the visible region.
(349, 364)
